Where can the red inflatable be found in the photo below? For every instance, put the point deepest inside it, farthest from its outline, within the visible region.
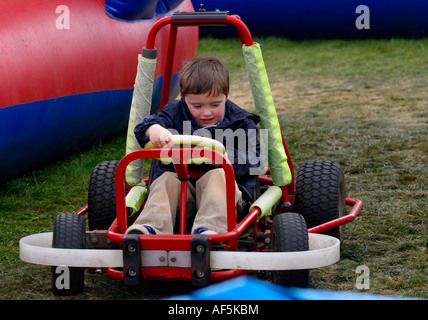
(67, 71)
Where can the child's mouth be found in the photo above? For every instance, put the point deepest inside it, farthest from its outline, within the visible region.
(206, 121)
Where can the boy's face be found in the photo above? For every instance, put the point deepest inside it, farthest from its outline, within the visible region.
(206, 109)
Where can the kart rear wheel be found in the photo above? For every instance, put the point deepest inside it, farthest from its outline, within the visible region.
(320, 194)
(68, 233)
(102, 196)
(289, 234)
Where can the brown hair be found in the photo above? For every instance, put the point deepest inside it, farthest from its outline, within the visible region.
(204, 75)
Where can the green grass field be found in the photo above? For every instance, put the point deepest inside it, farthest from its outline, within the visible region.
(361, 103)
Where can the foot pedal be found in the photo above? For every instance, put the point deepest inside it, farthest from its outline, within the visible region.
(131, 259)
(200, 260)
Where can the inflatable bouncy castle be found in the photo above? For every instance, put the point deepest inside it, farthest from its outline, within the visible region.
(67, 68)
(67, 71)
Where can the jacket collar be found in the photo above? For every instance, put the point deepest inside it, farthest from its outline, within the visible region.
(232, 114)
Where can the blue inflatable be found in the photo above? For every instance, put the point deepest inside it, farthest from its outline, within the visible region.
(249, 288)
(326, 18)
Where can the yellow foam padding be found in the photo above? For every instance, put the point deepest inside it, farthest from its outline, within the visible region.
(267, 200)
(135, 198)
(140, 108)
(262, 95)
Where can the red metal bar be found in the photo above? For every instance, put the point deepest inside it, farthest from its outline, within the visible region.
(266, 180)
(174, 273)
(120, 224)
(182, 242)
(357, 205)
(183, 176)
(291, 186)
(226, 274)
(151, 37)
(235, 20)
(284, 197)
(83, 210)
(166, 273)
(166, 85)
(120, 183)
(238, 230)
(243, 31)
(114, 273)
(155, 273)
(183, 206)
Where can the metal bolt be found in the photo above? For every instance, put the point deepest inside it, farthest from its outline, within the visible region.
(131, 248)
(200, 249)
(173, 259)
(199, 273)
(132, 273)
(266, 237)
(162, 259)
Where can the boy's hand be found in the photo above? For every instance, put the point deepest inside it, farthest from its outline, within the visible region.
(159, 136)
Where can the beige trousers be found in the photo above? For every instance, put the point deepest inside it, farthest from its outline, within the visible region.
(207, 199)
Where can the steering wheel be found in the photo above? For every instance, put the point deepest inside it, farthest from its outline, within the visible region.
(195, 141)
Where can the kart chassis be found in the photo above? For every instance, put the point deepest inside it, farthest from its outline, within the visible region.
(198, 258)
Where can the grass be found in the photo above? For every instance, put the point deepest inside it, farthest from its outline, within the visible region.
(361, 103)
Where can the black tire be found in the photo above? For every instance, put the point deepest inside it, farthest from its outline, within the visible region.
(68, 233)
(102, 196)
(320, 194)
(289, 234)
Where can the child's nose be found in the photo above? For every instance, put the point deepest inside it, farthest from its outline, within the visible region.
(206, 111)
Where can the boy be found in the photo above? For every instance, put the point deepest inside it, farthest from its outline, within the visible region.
(205, 110)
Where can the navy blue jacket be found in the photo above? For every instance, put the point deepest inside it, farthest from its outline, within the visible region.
(237, 132)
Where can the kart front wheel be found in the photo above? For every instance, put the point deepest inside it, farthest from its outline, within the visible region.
(68, 233)
(289, 234)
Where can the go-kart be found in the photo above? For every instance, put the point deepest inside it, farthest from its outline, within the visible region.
(292, 226)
